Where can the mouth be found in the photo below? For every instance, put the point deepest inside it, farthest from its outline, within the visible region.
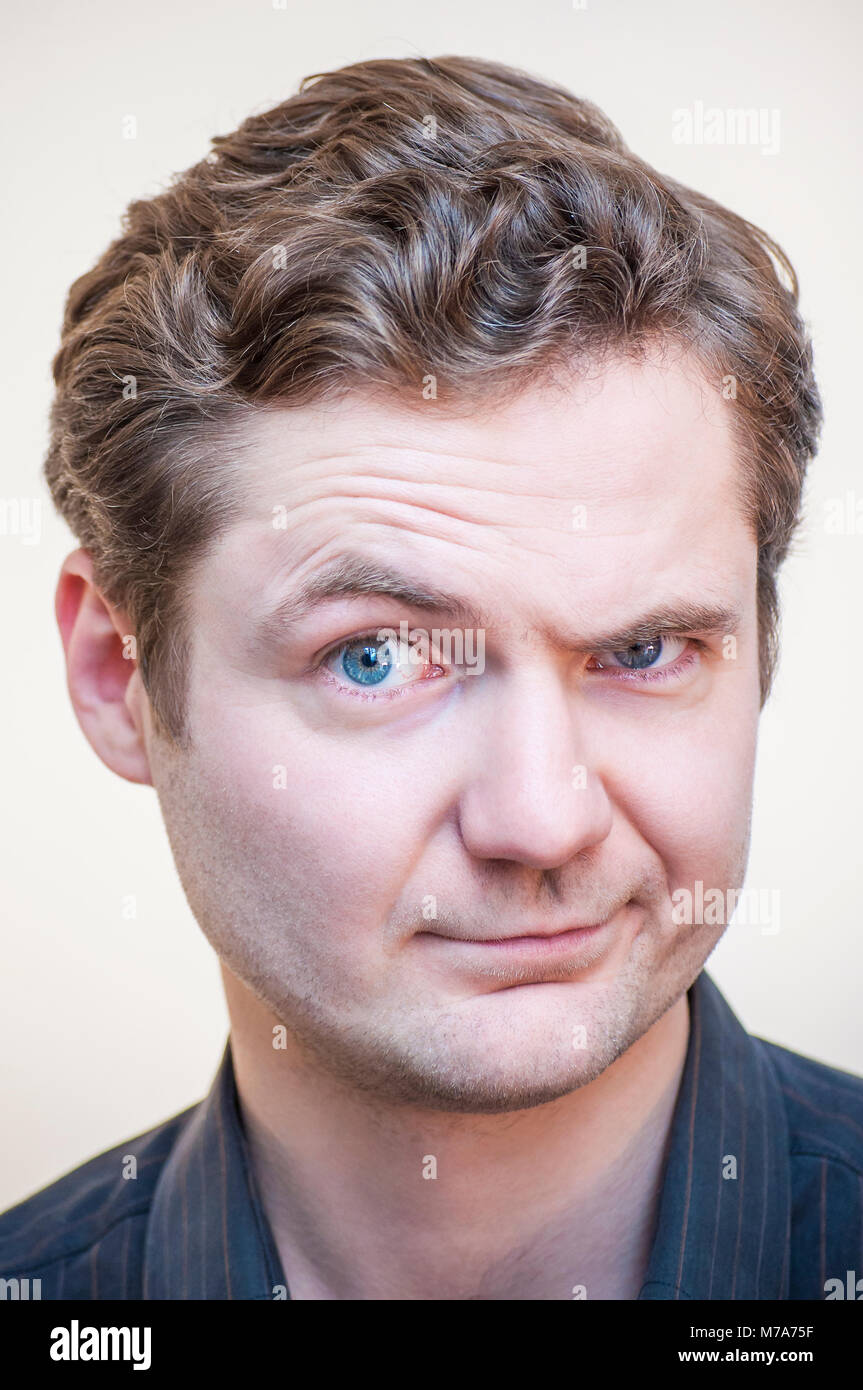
(577, 942)
(538, 934)
(542, 941)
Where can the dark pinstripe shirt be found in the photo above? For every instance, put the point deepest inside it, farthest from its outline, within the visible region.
(762, 1195)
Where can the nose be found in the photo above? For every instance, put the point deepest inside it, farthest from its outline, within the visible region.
(531, 795)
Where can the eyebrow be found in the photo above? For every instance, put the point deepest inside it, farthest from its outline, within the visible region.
(667, 620)
(352, 576)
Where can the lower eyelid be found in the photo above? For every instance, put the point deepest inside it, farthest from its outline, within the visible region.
(369, 694)
(356, 691)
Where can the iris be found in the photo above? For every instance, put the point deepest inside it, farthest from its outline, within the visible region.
(366, 663)
(640, 654)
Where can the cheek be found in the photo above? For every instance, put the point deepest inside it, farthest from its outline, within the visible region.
(326, 829)
(685, 784)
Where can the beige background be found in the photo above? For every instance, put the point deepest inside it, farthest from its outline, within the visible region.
(111, 1023)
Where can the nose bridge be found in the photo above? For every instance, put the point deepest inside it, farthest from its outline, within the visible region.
(531, 795)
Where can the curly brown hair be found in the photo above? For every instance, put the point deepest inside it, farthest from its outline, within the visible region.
(392, 219)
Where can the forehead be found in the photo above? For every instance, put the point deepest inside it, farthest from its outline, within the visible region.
(614, 479)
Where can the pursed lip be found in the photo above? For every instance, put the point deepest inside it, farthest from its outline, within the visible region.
(543, 932)
(520, 936)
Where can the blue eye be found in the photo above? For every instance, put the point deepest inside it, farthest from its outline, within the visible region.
(656, 654)
(366, 662)
(380, 663)
(641, 655)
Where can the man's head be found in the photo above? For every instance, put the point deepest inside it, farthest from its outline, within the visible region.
(427, 344)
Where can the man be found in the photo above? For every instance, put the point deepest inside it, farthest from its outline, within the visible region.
(432, 461)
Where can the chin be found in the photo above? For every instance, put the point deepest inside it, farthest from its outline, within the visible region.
(478, 1094)
(482, 1070)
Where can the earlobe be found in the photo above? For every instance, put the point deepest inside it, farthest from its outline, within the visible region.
(100, 666)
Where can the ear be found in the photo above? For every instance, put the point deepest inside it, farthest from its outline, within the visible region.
(102, 674)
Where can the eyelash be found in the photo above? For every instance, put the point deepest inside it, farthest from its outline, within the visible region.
(646, 677)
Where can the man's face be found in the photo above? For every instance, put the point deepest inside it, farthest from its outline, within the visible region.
(357, 831)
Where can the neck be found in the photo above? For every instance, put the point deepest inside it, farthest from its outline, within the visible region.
(370, 1201)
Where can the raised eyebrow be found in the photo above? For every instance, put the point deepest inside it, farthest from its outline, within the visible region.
(352, 577)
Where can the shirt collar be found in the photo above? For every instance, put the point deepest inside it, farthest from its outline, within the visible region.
(721, 1236)
(207, 1234)
(717, 1236)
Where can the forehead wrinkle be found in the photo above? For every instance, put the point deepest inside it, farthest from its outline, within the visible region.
(392, 501)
